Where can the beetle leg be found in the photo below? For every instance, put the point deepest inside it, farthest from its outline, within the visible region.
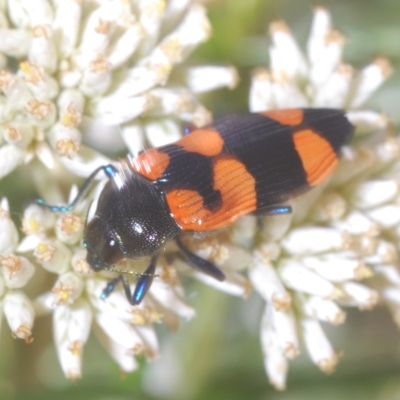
(110, 287)
(109, 170)
(142, 286)
(144, 282)
(273, 210)
(278, 210)
(199, 263)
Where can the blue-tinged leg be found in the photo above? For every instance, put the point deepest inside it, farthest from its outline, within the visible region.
(278, 210)
(109, 170)
(199, 263)
(273, 210)
(111, 287)
(142, 286)
(144, 282)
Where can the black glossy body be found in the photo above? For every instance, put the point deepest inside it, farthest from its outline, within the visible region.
(131, 221)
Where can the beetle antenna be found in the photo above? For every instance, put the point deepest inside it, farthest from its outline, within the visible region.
(124, 272)
(109, 170)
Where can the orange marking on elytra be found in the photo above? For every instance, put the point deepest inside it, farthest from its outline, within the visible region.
(151, 164)
(289, 117)
(317, 155)
(206, 142)
(238, 195)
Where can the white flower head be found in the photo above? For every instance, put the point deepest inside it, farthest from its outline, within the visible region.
(75, 298)
(89, 70)
(15, 273)
(86, 65)
(335, 237)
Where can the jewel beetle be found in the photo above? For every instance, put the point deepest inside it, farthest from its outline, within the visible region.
(240, 164)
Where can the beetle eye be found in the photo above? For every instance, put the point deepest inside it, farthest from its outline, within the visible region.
(104, 247)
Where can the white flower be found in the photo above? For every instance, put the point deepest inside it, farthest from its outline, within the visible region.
(89, 70)
(75, 298)
(15, 272)
(86, 65)
(309, 264)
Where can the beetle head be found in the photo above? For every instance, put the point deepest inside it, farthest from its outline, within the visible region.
(104, 246)
(131, 221)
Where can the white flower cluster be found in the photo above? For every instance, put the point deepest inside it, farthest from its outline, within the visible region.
(84, 66)
(87, 65)
(15, 273)
(339, 248)
(309, 264)
(94, 63)
(74, 299)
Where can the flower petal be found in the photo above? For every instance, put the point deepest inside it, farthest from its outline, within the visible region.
(71, 326)
(318, 346)
(369, 79)
(19, 314)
